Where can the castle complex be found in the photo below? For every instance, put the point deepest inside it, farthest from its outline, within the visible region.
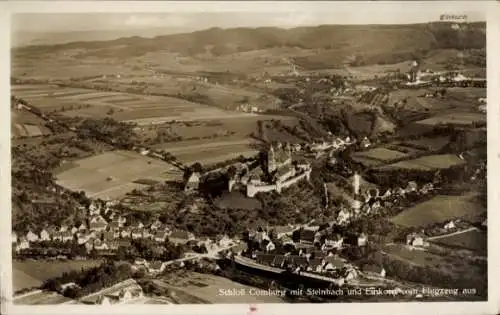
(273, 173)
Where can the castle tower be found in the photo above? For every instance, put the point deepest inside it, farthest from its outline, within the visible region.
(356, 183)
(288, 149)
(356, 204)
(271, 160)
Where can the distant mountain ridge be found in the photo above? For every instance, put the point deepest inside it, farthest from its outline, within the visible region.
(336, 42)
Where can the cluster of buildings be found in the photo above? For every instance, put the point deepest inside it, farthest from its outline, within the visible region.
(366, 198)
(336, 144)
(275, 172)
(121, 293)
(247, 108)
(102, 234)
(309, 249)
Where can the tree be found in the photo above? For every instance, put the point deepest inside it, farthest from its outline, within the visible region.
(197, 167)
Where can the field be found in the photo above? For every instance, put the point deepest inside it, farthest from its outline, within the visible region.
(189, 152)
(475, 240)
(429, 143)
(26, 124)
(440, 209)
(434, 260)
(426, 163)
(42, 298)
(228, 138)
(31, 273)
(143, 110)
(455, 119)
(207, 287)
(381, 154)
(112, 174)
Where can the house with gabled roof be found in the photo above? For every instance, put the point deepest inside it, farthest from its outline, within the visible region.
(97, 223)
(82, 227)
(137, 225)
(362, 239)
(160, 236)
(57, 236)
(270, 247)
(22, 243)
(450, 225)
(374, 270)
(146, 233)
(63, 228)
(333, 242)
(126, 233)
(192, 183)
(136, 234)
(157, 225)
(156, 267)
(287, 240)
(74, 230)
(44, 235)
(412, 187)
(141, 262)
(89, 245)
(350, 274)
(84, 238)
(331, 263)
(112, 244)
(343, 216)
(66, 237)
(415, 239)
(100, 245)
(376, 206)
(32, 237)
(180, 237)
(283, 230)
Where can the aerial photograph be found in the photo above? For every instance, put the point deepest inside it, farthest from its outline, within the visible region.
(248, 157)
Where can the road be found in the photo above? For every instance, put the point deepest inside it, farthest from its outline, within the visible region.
(211, 254)
(451, 234)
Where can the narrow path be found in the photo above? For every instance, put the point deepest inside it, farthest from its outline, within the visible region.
(451, 234)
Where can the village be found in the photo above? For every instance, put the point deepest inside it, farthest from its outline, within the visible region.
(175, 166)
(302, 249)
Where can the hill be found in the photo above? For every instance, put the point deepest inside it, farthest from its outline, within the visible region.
(332, 44)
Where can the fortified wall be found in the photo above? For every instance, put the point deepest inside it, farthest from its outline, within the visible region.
(252, 189)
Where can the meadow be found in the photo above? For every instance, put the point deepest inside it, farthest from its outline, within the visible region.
(461, 119)
(113, 174)
(440, 209)
(429, 144)
(426, 163)
(381, 154)
(475, 240)
(32, 273)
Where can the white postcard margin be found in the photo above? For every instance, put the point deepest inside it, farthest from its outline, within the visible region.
(491, 8)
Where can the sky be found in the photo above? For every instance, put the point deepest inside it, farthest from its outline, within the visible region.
(280, 14)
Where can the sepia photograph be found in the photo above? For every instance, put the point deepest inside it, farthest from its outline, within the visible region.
(249, 156)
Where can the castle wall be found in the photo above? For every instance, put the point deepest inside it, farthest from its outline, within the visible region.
(252, 190)
(231, 184)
